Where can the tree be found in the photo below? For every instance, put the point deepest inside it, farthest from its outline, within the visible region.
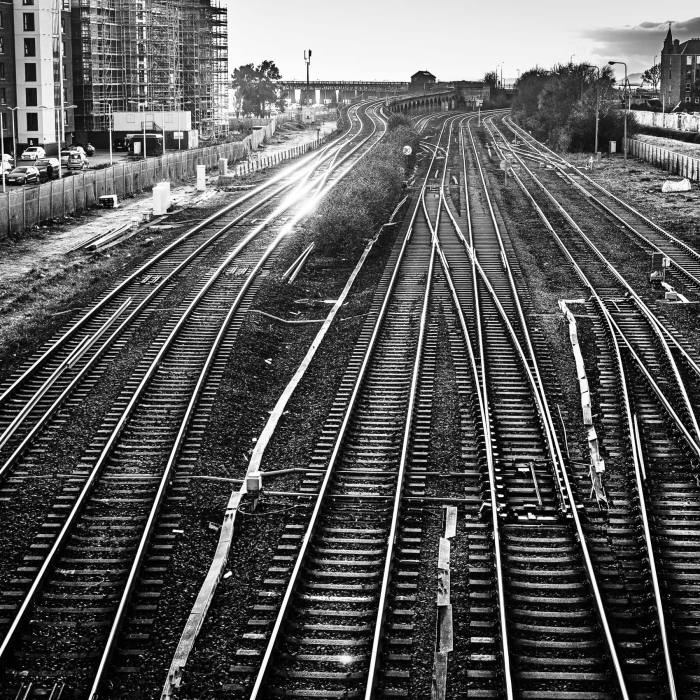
(491, 78)
(652, 76)
(257, 86)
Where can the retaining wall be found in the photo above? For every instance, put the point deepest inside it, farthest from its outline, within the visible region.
(676, 163)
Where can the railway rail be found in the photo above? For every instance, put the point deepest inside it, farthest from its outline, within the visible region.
(685, 260)
(563, 596)
(662, 453)
(105, 534)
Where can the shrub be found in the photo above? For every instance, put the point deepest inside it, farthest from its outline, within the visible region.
(354, 210)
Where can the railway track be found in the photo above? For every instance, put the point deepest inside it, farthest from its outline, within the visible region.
(73, 607)
(653, 487)
(685, 260)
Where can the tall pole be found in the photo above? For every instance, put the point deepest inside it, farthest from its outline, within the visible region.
(2, 148)
(144, 130)
(110, 132)
(624, 92)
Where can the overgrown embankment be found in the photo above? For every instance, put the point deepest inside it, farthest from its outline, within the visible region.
(364, 200)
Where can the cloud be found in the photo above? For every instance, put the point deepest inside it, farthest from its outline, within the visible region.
(638, 42)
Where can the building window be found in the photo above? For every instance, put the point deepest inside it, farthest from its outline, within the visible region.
(2, 44)
(4, 120)
(32, 121)
(697, 100)
(687, 87)
(2, 71)
(687, 99)
(28, 20)
(30, 72)
(31, 97)
(30, 47)
(27, 2)
(689, 60)
(3, 96)
(63, 25)
(2, 20)
(63, 48)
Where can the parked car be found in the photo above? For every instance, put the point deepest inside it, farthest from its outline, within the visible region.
(48, 168)
(77, 161)
(65, 152)
(23, 175)
(89, 149)
(120, 143)
(33, 152)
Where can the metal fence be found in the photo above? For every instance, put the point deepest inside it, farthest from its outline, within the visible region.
(30, 206)
(677, 163)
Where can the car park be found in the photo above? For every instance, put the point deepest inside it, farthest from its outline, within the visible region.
(77, 160)
(48, 168)
(22, 175)
(33, 152)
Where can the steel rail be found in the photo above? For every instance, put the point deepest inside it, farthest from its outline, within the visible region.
(133, 574)
(669, 337)
(530, 140)
(485, 420)
(92, 478)
(532, 371)
(302, 177)
(330, 468)
(286, 172)
(694, 366)
(656, 326)
(405, 447)
(541, 400)
(614, 330)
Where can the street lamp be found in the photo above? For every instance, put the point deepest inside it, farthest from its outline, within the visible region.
(597, 105)
(622, 63)
(307, 59)
(2, 150)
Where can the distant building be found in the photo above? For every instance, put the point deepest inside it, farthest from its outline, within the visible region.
(421, 81)
(680, 73)
(35, 73)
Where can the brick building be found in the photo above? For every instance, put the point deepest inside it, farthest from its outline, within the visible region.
(680, 73)
(421, 81)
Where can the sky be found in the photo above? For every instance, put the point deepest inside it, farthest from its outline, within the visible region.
(453, 39)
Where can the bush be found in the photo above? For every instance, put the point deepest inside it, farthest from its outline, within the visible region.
(354, 210)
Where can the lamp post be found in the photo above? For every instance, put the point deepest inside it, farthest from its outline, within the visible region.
(597, 105)
(2, 149)
(307, 59)
(622, 63)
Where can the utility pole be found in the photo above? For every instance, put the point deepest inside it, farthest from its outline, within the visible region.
(307, 58)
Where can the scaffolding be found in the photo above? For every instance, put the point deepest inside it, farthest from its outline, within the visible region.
(151, 54)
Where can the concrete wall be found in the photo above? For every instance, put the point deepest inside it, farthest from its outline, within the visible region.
(676, 163)
(679, 121)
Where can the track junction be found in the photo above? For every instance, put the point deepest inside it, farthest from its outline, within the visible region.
(556, 573)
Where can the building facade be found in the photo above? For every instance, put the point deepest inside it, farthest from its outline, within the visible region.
(146, 55)
(35, 74)
(680, 74)
(421, 81)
